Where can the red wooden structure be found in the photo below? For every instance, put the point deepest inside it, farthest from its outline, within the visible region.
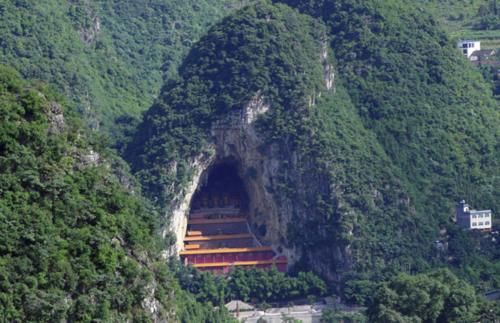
(218, 239)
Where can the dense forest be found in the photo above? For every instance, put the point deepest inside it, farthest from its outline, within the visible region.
(100, 96)
(77, 244)
(109, 57)
(226, 68)
(436, 158)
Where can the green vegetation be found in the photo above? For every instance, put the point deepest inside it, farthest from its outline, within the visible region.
(435, 297)
(429, 109)
(273, 51)
(76, 245)
(474, 256)
(239, 57)
(109, 57)
(471, 19)
(331, 316)
(478, 19)
(255, 285)
(379, 161)
(405, 134)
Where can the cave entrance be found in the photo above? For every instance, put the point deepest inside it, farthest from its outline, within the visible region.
(218, 235)
(222, 190)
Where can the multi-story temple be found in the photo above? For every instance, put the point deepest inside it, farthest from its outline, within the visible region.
(219, 236)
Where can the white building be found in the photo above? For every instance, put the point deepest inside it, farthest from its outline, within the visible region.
(473, 219)
(467, 47)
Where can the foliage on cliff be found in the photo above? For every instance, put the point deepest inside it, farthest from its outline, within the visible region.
(76, 245)
(262, 49)
(108, 57)
(431, 111)
(349, 185)
(462, 17)
(409, 129)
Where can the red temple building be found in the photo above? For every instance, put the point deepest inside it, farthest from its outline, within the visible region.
(219, 236)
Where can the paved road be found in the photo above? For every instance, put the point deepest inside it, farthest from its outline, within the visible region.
(304, 313)
(276, 315)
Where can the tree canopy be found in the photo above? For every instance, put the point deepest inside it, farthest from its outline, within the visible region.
(435, 297)
(76, 244)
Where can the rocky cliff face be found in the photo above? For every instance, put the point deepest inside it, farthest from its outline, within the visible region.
(260, 90)
(236, 137)
(178, 214)
(261, 165)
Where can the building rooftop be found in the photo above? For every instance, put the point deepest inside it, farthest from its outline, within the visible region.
(479, 211)
(234, 306)
(484, 53)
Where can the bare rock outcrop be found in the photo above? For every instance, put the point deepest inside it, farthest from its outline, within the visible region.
(56, 118)
(236, 138)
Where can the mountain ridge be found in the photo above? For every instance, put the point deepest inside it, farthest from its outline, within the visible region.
(355, 126)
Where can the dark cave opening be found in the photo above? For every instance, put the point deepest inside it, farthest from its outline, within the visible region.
(221, 188)
(218, 236)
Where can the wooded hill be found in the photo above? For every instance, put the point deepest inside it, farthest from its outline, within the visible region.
(76, 244)
(109, 57)
(410, 119)
(410, 129)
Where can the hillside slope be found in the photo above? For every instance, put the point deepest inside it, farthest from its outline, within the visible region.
(477, 19)
(366, 176)
(76, 244)
(110, 57)
(431, 111)
(332, 196)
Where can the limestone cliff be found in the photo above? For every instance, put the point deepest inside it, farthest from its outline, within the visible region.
(260, 90)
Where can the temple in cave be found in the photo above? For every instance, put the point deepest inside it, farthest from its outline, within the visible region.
(218, 235)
